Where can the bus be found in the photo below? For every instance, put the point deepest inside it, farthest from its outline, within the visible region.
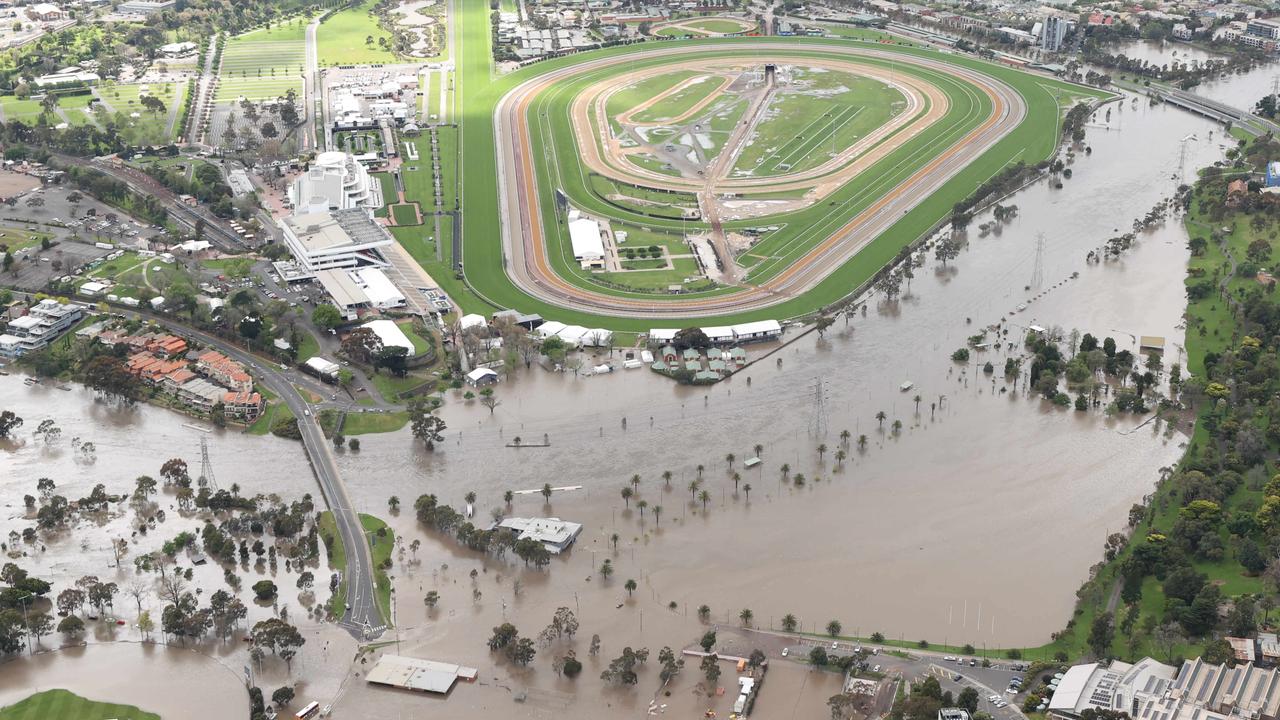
(309, 711)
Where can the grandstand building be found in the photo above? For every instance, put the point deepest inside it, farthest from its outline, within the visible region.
(335, 181)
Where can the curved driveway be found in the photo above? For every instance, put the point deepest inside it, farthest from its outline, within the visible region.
(528, 264)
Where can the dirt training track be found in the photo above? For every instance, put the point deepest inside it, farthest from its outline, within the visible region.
(528, 264)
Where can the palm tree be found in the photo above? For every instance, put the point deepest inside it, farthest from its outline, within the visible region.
(546, 491)
(657, 514)
(759, 449)
(606, 569)
(822, 450)
(666, 478)
(736, 479)
(862, 442)
(917, 400)
(614, 539)
(642, 505)
(729, 458)
(880, 416)
(635, 481)
(700, 469)
(786, 471)
(693, 488)
(627, 492)
(799, 481)
(747, 489)
(630, 586)
(789, 622)
(508, 496)
(840, 456)
(470, 497)
(897, 426)
(844, 437)
(745, 616)
(393, 502)
(705, 497)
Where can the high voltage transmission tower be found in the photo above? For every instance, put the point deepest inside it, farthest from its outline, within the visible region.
(818, 423)
(206, 468)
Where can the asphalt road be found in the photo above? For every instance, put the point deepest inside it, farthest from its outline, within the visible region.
(362, 617)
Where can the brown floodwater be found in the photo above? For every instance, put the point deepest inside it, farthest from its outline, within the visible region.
(976, 523)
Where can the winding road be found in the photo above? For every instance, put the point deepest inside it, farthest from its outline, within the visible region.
(362, 617)
(527, 257)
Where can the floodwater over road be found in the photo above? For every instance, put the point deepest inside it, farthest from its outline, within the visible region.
(975, 523)
(1240, 90)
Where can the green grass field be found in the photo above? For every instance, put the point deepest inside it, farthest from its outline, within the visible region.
(264, 64)
(337, 553)
(343, 38)
(800, 131)
(719, 25)
(14, 238)
(381, 546)
(680, 102)
(632, 95)
(368, 423)
(1034, 139)
(66, 705)
(404, 214)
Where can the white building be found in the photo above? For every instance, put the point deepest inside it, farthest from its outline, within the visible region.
(482, 376)
(356, 289)
(178, 49)
(390, 334)
(335, 181)
(334, 240)
(42, 324)
(321, 368)
(70, 76)
(45, 12)
(554, 534)
(145, 7)
(588, 245)
(1053, 33)
(1150, 690)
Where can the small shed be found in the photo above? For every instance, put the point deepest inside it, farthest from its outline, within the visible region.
(481, 377)
(1151, 343)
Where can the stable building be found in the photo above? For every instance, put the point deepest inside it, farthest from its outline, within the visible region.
(588, 245)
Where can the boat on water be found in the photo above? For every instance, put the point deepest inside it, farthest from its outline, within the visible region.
(906, 386)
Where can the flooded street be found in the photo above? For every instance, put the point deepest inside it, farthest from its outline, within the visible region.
(975, 523)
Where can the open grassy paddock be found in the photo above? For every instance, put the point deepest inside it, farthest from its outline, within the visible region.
(343, 38)
(405, 213)
(66, 705)
(798, 231)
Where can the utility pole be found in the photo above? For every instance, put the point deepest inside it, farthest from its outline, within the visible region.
(1037, 272)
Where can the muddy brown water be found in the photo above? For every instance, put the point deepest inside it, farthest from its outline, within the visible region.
(976, 523)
